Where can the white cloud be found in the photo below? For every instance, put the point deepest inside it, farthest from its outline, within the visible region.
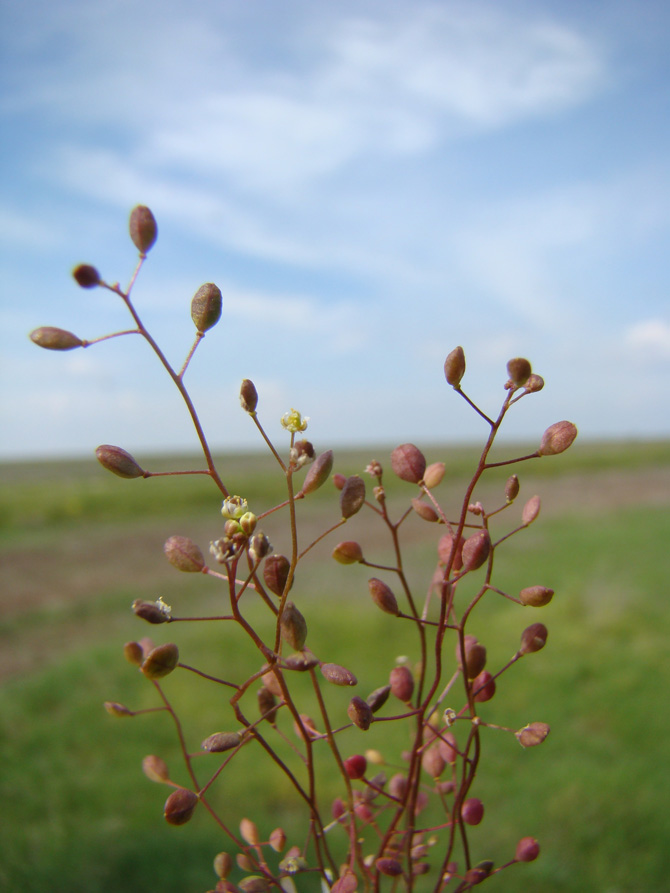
(650, 339)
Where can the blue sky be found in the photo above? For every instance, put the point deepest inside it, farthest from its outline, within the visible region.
(369, 183)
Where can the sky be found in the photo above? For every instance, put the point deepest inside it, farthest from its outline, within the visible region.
(369, 183)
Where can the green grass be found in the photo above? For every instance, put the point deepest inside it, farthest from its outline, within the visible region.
(79, 815)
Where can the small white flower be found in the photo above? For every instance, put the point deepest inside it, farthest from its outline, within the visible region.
(164, 608)
(294, 422)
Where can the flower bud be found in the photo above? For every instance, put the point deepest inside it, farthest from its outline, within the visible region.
(206, 307)
(360, 713)
(143, 229)
(259, 544)
(433, 475)
(133, 653)
(527, 850)
(118, 710)
(557, 438)
(51, 338)
(378, 697)
(179, 806)
(519, 371)
(532, 734)
(383, 596)
(472, 811)
(476, 550)
(338, 675)
(275, 573)
(402, 683)
(318, 473)
(248, 396)
(531, 510)
(408, 462)
(536, 596)
(223, 865)
(454, 367)
(483, 686)
(277, 840)
(475, 656)
(118, 461)
(424, 510)
(512, 488)
(149, 611)
(533, 638)
(293, 627)
(155, 769)
(183, 554)
(388, 866)
(352, 496)
(160, 661)
(348, 553)
(86, 276)
(221, 741)
(355, 766)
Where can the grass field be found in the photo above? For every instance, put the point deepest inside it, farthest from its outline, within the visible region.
(78, 545)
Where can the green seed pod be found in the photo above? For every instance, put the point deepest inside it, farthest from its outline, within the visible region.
(86, 276)
(183, 554)
(118, 461)
(338, 675)
(352, 496)
(206, 307)
(221, 741)
(179, 806)
(454, 367)
(275, 573)
(160, 661)
(519, 371)
(155, 769)
(293, 627)
(360, 713)
(409, 463)
(318, 473)
(383, 596)
(51, 338)
(143, 229)
(536, 596)
(557, 438)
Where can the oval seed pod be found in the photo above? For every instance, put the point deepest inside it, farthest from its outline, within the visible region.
(149, 611)
(475, 656)
(519, 371)
(223, 865)
(118, 461)
(383, 596)
(433, 475)
(318, 473)
(531, 510)
(388, 866)
(293, 627)
(476, 550)
(116, 709)
(454, 367)
(360, 713)
(533, 638)
(409, 463)
(183, 554)
(267, 704)
(221, 741)
(424, 510)
(527, 850)
(535, 383)
(86, 276)
(433, 762)
(179, 806)
(445, 547)
(352, 496)
(143, 228)
(248, 396)
(249, 832)
(378, 697)
(206, 307)
(557, 438)
(355, 766)
(160, 661)
(402, 683)
(532, 734)
(275, 573)
(512, 488)
(51, 338)
(133, 653)
(348, 552)
(277, 839)
(338, 675)
(472, 811)
(483, 686)
(155, 769)
(536, 596)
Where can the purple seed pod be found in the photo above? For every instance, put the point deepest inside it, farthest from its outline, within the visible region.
(149, 611)
(293, 627)
(360, 713)
(472, 811)
(206, 307)
(118, 461)
(179, 806)
(221, 741)
(160, 661)
(383, 596)
(476, 549)
(51, 338)
(402, 683)
(533, 638)
(519, 371)
(248, 396)
(338, 675)
(86, 276)
(143, 229)
(275, 573)
(378, 697)
(352, 496)
(557, 438)
(454, 367)
(512, 488)
(388, 866)
(527, 850)
(409, 463)
(183, 554)
(318, 473)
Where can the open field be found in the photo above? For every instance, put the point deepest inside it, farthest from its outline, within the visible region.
(78, 545)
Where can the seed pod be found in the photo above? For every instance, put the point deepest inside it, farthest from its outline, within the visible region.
(378, 698)
(149, 611)
(447, 746)
(254, 883)
(445, 547)
(249, 832)
(155, 769)
(476, 550)
(536, 596)
(398, 786)
(433, 762)
(383, 596)
(143, 229)
(533, 638)
(223, 865)
(308, 725)
(535, 383)
(408, 462)
(531, 510)
(360, 713)
(206, 307)
(348, 552)
(248, 396)
(512, 488)
(519, 371)
(301, 661)
(532, 734)
(318, 473)
(277, 840)
(347, 883)
(402, 683)
(472, 811)
(86, 276)
(133, 653)
(483, 686)
(557, 438)
(338, 675)
(51, 338)
(115, 709)
(355, 766)
(160, 661)
(339, 480)
(527, 850)
(267, 704)
(118, 461)
(275, 573)
(293, 627)
(424, 510)
(221, 741)
(179, 806)
(352, 496)
(475, 656)
(388, 866)
(183, 554)
(433, 475)
(454, 367)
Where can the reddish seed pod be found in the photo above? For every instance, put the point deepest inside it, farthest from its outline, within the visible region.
(347, 883)
(267, 704)
(402, 683)
(118, 461)
(360, 713)
(519, 371)
(51, 338)
(535, 383)
(472, 811)
(447, 746)
(248, 395)
(338, 675)
(433, 762)
(275, 573)
(86, 276)
(143, 228)
(179, 806)
(352, 496)
(483, 686)
(532, 734)
(293, 627)
(388, 866)
(512, 488)
(408, 462)
(378, 697)
(536, 596)
(277, 839)
(445, 547)
(133, 653)
(531, 510)
(424, 510)
(183, 554)
(383, 596)
(533, 638)
(318, 473)
(454, 367)
(355, 766)
(557, 438)
(348, 552)
(433, 475)
(339, 480)
(527, 850)
(475, 656)
(149, 611)
(206, 307)
(476, 550)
